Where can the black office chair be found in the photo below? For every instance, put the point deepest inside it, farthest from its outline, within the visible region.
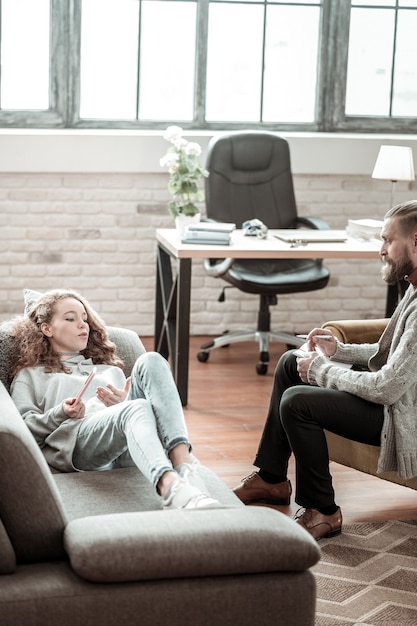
(250, 177)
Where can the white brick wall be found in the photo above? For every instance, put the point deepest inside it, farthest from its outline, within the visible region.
(96, 233)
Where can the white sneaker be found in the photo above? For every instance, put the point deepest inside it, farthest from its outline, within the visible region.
(189, 471)
(183, 495)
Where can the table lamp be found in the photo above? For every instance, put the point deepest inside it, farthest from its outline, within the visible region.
(394, 163)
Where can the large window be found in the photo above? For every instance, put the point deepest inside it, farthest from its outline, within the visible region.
(329, 65)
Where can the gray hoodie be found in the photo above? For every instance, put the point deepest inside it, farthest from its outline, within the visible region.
(39, 397)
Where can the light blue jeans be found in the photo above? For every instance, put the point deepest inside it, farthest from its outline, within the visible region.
(140, 431)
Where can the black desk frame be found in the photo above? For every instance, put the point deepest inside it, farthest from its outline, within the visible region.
(172, 315)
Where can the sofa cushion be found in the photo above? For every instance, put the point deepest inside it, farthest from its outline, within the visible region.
(123, 490)
(30, 505)
(178, 543)
(7, 555)
(6, 355)
(129, 346)
(30, 297)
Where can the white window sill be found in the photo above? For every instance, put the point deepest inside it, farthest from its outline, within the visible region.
(33, 150)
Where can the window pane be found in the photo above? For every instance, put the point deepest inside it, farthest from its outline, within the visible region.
(234, 62)
(369, 62)
(374, 3)
(274, 1)
(291, 69)
(109, 42)
(405, 82)
(25, 54)
(168, 37)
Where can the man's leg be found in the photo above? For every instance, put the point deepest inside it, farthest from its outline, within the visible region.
(305, 412)
(274, 448)
(270, 484)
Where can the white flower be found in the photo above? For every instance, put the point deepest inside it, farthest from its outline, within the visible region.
(173, 133)
(193, 149)
(180, 143)
(185, 172)
(169, 160)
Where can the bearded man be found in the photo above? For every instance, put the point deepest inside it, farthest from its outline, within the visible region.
(375, 402)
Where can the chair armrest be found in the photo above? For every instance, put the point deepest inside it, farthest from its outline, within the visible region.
(216, 267)
(357, 331)
(313, 222)
(175, 544)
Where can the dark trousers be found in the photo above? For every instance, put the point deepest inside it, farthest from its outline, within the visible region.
(297, 415)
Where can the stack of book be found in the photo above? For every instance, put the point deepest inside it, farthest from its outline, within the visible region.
(365, 229)
(209, 233)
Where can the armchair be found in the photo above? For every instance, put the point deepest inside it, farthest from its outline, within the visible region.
(250, 177)
(359, 456)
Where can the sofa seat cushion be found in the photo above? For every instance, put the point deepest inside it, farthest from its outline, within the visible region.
(177, 543)
(123, 490)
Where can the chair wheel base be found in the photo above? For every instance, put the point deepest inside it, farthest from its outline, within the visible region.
(262, 369)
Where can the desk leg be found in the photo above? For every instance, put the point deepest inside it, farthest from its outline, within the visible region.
(172, 316)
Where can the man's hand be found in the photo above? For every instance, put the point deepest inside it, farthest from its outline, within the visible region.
(318, 342)
(110, 395)
(322, 341)
(303, 364)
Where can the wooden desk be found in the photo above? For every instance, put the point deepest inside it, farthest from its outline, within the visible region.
(173, 288)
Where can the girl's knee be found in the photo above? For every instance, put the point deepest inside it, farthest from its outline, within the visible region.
(151, 360)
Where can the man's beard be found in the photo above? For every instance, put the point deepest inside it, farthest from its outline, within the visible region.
(393, 272)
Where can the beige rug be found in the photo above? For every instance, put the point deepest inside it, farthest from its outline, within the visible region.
(368, 576)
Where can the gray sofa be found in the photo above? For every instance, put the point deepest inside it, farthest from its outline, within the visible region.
(95, 548)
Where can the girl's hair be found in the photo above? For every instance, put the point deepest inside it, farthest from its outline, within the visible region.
(34, 348)
(406, 214)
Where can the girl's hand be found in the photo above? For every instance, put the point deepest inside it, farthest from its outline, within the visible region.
(74, 411)
(110, 395)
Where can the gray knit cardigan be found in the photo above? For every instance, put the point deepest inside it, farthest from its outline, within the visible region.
(390, 381)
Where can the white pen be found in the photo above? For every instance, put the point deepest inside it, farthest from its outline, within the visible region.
(316, 336)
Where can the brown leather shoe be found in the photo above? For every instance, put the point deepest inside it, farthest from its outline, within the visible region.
(319, 525)
(254, 489)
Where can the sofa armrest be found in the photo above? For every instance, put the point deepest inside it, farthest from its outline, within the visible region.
(357, 331)
(176, 544)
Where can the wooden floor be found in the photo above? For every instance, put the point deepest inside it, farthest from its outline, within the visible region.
(225, 414)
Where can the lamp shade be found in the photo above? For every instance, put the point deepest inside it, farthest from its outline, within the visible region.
(394, 163)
